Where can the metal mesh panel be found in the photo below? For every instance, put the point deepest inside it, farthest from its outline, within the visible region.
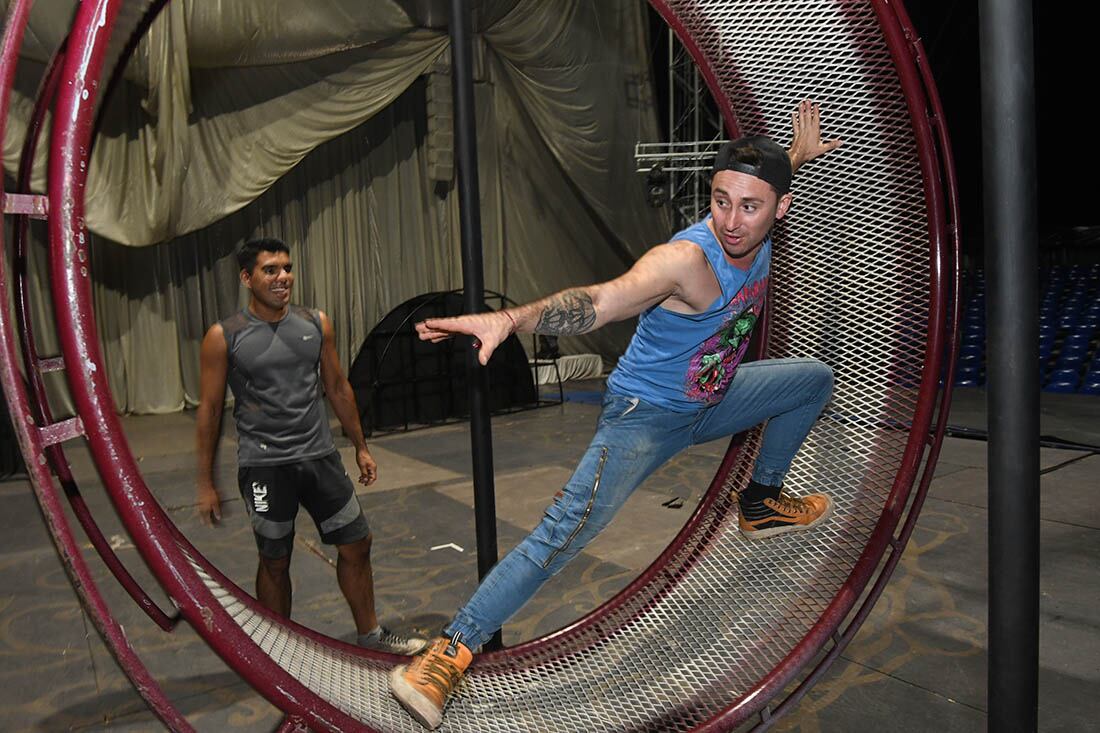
(851, 287)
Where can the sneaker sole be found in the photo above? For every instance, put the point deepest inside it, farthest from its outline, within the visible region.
(763, 534)
(421, 645)
(408, 651)
(417, 705)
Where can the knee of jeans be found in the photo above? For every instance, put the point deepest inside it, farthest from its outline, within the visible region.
(549, 559)
(566, 528)
(824, 378)
(545, 554)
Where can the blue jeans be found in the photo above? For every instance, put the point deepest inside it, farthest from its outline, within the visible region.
(633, 438)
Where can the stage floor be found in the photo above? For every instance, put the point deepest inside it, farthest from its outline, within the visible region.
(917, 665)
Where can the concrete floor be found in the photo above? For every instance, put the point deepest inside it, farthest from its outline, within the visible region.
(918, 664)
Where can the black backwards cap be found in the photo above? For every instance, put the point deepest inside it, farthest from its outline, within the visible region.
(757, 156)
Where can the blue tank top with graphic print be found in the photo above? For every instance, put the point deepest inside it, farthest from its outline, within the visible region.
(686, 362)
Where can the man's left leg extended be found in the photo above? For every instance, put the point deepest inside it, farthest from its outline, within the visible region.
(632, 439)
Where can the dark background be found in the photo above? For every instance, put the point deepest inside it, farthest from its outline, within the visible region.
(1065, 85)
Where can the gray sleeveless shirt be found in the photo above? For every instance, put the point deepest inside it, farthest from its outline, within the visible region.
(274, 372)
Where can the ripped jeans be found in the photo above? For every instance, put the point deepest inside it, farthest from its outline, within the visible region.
(633, 439)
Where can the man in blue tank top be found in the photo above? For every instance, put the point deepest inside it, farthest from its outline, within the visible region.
(277, 358)
(681, 382)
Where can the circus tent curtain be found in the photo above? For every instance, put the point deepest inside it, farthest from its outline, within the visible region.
(314, 123)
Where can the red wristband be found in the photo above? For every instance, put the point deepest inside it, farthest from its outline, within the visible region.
(513, 320)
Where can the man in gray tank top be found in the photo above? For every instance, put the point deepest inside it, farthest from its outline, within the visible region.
(279, 359)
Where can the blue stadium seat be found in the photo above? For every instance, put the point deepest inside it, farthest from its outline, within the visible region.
(971, 355)
(969, 376)
(1069, 329)
(1070, 363)
(1063, 380)
(1076, 351)
(1077, 338)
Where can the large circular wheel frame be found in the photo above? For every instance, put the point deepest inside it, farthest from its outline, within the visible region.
(714, 634)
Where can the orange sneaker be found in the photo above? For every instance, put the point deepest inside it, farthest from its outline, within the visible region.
(423, 686)
(786, 513)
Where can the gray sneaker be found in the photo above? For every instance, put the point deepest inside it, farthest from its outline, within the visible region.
(384, 640)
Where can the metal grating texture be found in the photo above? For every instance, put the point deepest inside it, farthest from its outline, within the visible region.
(851, 286)
(717, 625)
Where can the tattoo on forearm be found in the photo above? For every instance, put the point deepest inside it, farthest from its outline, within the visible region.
(569, 313)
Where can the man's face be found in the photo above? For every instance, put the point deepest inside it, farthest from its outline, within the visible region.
(744, 208)
(270, 280)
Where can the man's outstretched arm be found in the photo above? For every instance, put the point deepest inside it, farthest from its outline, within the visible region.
(654, 277)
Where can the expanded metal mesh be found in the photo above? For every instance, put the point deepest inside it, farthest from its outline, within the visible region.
(850, 287)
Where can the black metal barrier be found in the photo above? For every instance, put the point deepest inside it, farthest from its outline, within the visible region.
(402, 383)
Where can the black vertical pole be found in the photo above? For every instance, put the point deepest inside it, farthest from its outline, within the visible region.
(473, 284)
(1009, 167)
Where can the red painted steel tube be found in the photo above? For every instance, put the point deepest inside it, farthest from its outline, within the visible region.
(936, 442)
(24, 205)
(912, 84)
(31, 445)
(46, 91)
(149, 528)
(714, 495)
(954, 252)
(292, 724)
(54, 453)
(913, 87)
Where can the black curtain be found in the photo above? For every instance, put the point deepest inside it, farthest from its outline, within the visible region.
(401, 382)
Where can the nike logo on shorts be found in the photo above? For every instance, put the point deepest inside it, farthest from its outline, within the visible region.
(259, 496)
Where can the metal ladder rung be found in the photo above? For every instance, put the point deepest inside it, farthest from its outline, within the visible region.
(33, 205)
(59, 432)
(51, 364)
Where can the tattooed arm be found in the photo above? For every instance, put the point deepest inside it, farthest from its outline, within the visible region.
(568, 313)
(653, 278)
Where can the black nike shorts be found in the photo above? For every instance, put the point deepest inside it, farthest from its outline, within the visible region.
(272, 494)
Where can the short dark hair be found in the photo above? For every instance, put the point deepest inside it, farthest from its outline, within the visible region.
(247, 254)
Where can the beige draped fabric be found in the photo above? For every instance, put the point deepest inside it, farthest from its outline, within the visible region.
(310, 123)
(189, 145)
